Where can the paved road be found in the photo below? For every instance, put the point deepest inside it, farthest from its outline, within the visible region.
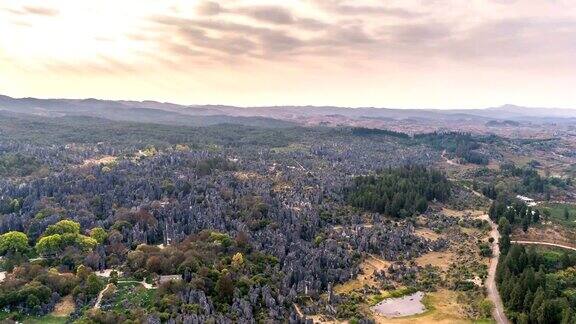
(492, 290)
(544, 243)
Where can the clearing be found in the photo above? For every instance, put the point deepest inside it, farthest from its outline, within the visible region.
(64, 308)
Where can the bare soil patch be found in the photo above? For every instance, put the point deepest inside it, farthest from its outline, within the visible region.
(427, 234)
(245, 176)
(103, 160)
(442, 260)
(549, 233)
(64, 308)
(369, 266)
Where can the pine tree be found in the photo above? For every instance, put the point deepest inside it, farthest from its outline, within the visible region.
(528, 300)
(516, 300)
(539, 299)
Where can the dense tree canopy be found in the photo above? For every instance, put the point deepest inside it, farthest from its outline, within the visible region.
(13, 242)
(63, 227)
(537, 286)
(64, 234)
(399, 192)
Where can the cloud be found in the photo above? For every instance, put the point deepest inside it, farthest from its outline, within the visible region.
(100, 66)
(420, 33)
(198, 35)
(311, 24)
(209, 8)
(507, 40)
(269, 14)
(279, 42)
(34, 10)
(339, 7)
(234, 31)
(229, 44)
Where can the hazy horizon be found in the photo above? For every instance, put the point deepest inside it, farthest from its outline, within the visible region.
(280, 105)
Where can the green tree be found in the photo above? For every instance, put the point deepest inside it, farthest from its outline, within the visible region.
(113, 277)
(99, 234)
(49, 245)
(516, 300)
(547, 214)
(536, 216)
(504, 226)
(567, 315)
(528, 300)
(13, 242)
(15, 205)
(82, 272)
(63, 227)
(523, 319)
(93, 285)
(486, 307)
(539, 299)
(225, 287)
(237, 260)
(85, 243)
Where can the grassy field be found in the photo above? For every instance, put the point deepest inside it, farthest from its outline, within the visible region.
(133, 294)
(551, 253)
(48, 319)
(290, 148)
(557, 213)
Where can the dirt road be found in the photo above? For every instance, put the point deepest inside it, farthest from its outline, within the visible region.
(543, 243)
(492, 290)
(451, 162)
(100, 295)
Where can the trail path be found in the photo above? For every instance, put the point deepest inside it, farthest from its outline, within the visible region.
(143, 283)
(451, 162)
(108, 286)
(492, 290)
(544, 243)
(298, 311)
(100, 295)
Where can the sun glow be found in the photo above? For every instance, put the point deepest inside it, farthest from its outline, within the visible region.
(352, 53)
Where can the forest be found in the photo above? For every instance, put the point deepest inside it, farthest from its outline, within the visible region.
(538, 285)
(515, 212)
(400, 192)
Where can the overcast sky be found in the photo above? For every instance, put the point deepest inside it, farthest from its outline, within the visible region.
(403, 53)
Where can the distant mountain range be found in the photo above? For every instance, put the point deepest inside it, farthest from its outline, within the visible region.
(276, 116)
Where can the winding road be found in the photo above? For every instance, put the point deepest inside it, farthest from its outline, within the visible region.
(492, 291)
(100, 295)
(544, 243)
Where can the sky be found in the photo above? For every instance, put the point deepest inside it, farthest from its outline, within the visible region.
(393, 53)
